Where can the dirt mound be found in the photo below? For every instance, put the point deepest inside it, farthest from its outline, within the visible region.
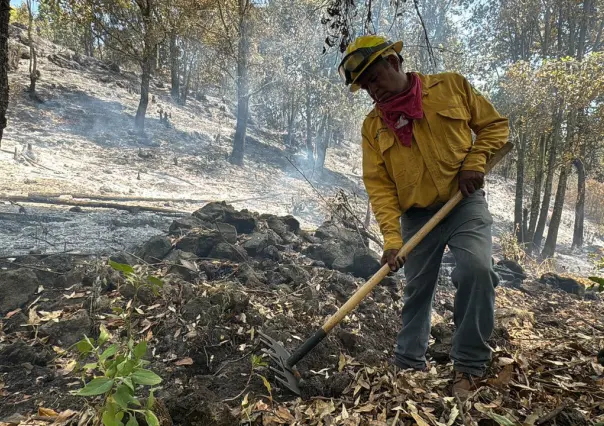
(228, 274)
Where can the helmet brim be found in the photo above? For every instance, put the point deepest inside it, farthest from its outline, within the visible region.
(397, 46)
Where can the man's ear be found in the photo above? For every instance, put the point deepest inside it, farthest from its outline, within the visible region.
(394, 62)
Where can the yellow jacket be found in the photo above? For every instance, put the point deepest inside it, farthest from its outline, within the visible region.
(398, 177)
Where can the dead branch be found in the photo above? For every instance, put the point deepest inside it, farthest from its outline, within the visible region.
(90, 204)
(116, 197)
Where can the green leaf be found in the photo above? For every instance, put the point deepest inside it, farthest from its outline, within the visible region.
(104, 335)
(90, 366)
(145, 377)
(97, 386)
(123, 396)
(132, 421)
(84, 346)
(128, 382)
(110, 420)
(503, 421)
(151, 419)
(267, 385)
(127, 269)
(126, 367)
(110, 351)
(141, 349)
(150, 400)
(599, 281)
(155, 281)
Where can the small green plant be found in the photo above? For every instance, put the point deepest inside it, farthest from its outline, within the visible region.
(599, 282)
(119, 368)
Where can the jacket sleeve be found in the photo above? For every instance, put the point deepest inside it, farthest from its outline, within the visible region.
(492, 130)
(382, 195)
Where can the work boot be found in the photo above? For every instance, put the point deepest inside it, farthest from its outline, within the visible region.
(464, 384)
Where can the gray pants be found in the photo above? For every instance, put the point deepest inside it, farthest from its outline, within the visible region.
(467, 232)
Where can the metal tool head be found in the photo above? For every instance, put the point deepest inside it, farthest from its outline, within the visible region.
(287, 375)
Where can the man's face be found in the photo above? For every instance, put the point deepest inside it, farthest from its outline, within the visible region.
(381, 79)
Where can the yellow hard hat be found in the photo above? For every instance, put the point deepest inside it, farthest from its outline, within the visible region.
(361, 53)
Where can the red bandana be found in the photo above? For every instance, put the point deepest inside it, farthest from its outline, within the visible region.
(399, 111)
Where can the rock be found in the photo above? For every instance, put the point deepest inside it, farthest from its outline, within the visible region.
(248, 276)
(260, 241)
(366, 263)
(272, 253)
(344, 264)
(563, 283)
(144, 295)
(448, 258)
(197, 308)
(183, 224)
(292, 223)
(242, 220)
(331, 231)
(512, 266)
(294, 274)
(277, 225)
(182, 264)
(155, 249)
(229, 252)
(16, 287)
(227, 232)
(592, 295)
(229, 299)
(200, 242)
(327, 252)
(349, 340)
(68, 331)
(124, 258)
(76, 209)
(20, 352)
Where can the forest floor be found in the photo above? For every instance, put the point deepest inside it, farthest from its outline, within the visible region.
(202, 328)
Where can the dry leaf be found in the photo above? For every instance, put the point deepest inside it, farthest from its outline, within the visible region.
(11, 313)
(504, 361)
(419, 420)
(33, 318)
(68, 367)
(503, 378)
(341, 362)
(47, 412)
(184, 361)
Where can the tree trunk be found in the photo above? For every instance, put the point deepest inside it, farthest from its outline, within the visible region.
(547, 189)
(174, 68)
(536, 197)
(146, 66)
(518, 201)
(323, 143)
(33, 59)
(4, 21)
(309, 146)
(580, 206)
(185, 90)
(549, 248)
(242, 85)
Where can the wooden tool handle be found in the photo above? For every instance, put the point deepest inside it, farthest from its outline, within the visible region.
(360, 294)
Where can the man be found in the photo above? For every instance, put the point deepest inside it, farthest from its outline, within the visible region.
(417, 152)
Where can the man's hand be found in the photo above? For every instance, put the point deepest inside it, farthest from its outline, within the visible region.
(392, 260)
(470, 181)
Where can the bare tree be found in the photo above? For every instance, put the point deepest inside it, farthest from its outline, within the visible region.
(4, 21)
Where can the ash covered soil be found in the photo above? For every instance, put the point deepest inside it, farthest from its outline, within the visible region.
(228, 274)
